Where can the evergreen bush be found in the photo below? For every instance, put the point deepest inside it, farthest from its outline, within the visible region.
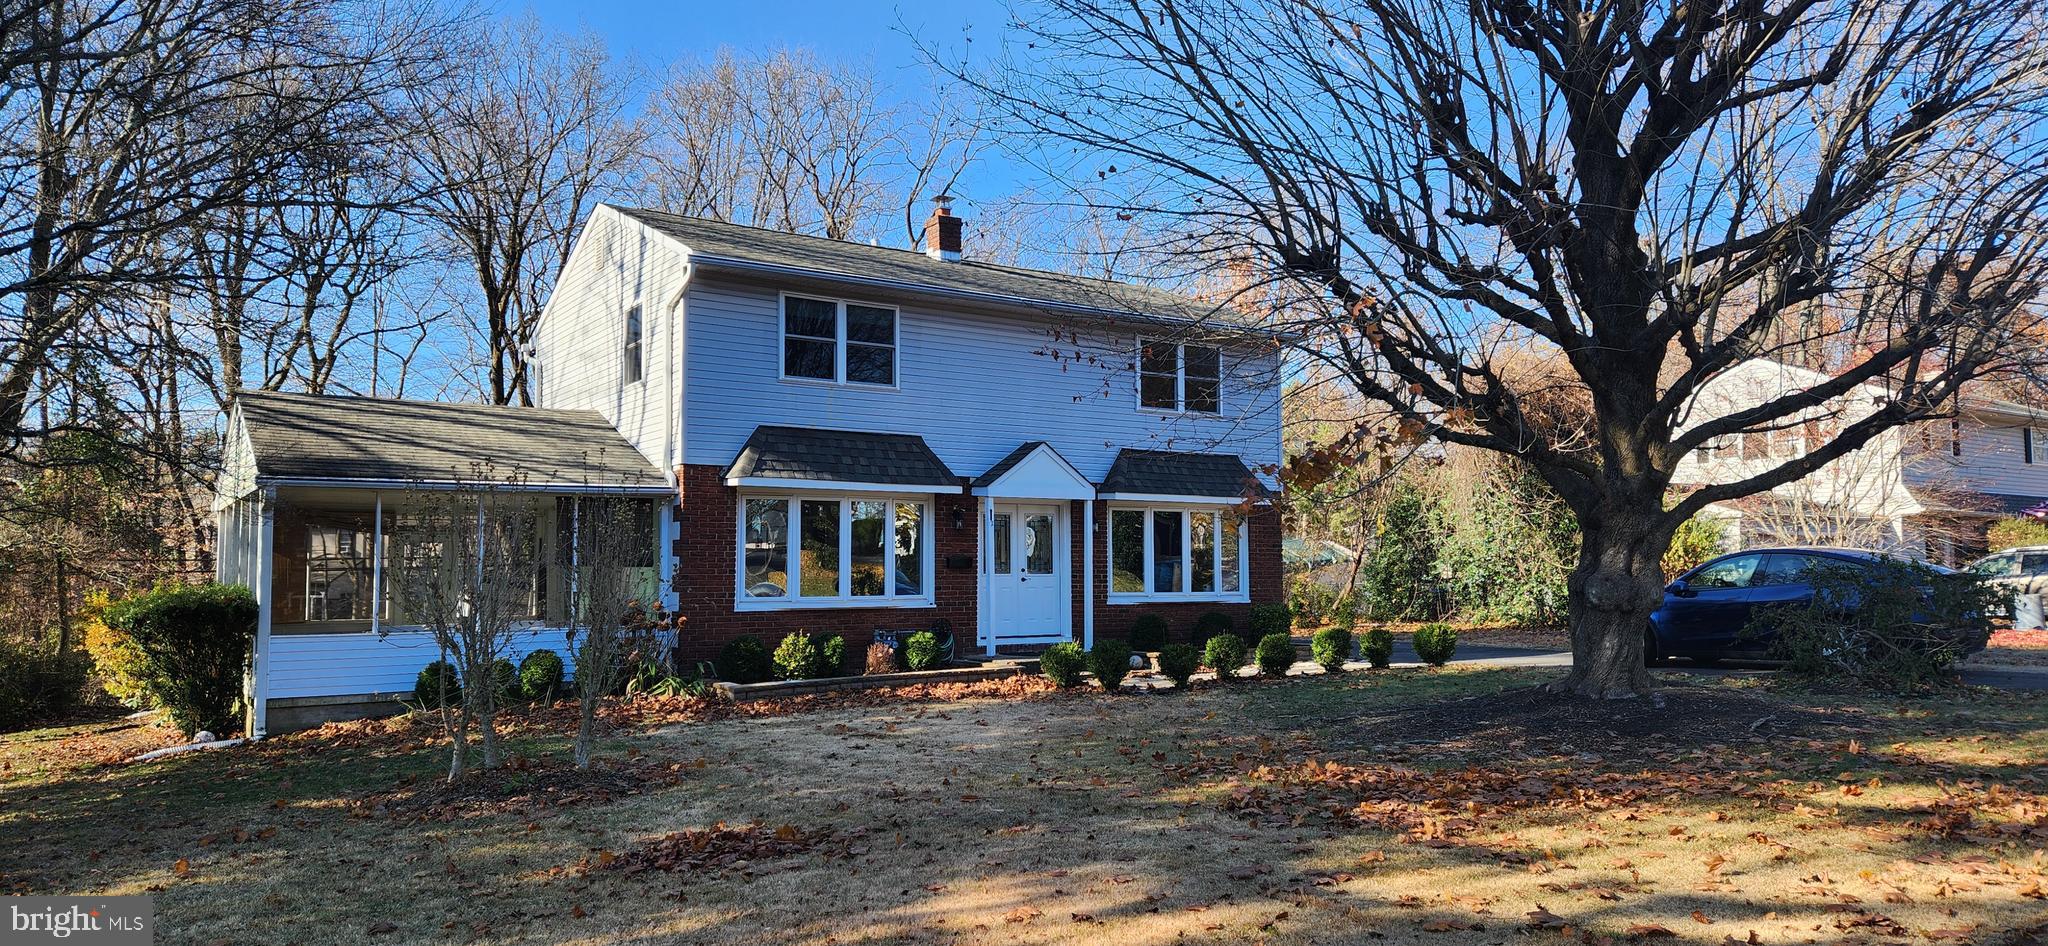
(437, 685)
(1435, 643)
(1330, 647)
(921, 651)
(832, 657)
(744, 659)
(796, 658)
(1379, 648)
(1111, 661)
(1149, 633)
(540, 676)
(195, 642)
(1275, 654)
(1064, 663)
(1179, 662)
(1224, 654)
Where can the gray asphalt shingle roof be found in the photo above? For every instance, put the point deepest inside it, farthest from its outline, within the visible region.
(839, 456)
(1171, 473)
(303, 436)
(712, 241)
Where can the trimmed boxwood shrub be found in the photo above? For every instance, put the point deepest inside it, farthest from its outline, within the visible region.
(1179, 662)
(195, 643)
(505, 681)
(1224, 654)
(1275, 654)
(744, 659)
(1330, 647)
(1149, 633)
(437, 685)
(1111, 661)
(921, 651)
(1379, 647)
(1213, 623)
(38, 683)
(1064, 663)
(540, 676)
(1435, 643)
(832, 657)
(796, 658)
(1272, 618)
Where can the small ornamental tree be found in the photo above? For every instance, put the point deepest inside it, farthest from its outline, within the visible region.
(195, 642)
(610, 633)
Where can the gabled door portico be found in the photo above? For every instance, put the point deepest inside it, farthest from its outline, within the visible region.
(1027, 585)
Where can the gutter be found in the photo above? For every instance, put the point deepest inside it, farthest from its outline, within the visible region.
(390, 484)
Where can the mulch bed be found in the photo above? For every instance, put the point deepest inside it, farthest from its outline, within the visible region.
(1534, 721)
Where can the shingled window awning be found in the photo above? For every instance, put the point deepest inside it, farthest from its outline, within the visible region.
(809, 458)
(1171, 476)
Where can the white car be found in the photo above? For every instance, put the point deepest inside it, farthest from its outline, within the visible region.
(2023, 571)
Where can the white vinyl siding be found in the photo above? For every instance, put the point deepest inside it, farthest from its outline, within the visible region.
(974, 385)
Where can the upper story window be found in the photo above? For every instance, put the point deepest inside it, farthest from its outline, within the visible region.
(838, 341)
(1176, 377)
(634, 369)
(1955, 437)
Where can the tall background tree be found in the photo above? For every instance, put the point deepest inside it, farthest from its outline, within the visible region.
(1646, 193)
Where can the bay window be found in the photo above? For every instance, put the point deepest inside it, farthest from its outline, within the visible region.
(813, 551)
(1195, 553)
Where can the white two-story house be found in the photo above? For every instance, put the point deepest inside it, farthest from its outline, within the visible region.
(815, 435)
(1927, 490)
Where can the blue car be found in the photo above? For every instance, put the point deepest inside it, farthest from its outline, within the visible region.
(1706, 610)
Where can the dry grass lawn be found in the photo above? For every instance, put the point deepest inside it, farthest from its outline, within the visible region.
(1441, 808)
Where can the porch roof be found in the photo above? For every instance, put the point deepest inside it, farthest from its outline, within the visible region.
(1168, 474)
(853, 459)
(301, 439)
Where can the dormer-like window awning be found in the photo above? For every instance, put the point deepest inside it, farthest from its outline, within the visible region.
(1034, 471)
(1166, 476)
(807, 458)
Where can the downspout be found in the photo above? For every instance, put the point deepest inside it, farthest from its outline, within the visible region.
(981, 567)
(1088, 573)
(672, 450)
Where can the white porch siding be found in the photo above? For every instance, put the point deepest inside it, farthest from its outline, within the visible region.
(973, 385)
(349, 664)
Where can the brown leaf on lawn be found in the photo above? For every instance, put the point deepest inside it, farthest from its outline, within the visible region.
(1701, 918)
(382, 927)
(1083, 917)
(182, 867)
(1023, 915)
(1449, 926)
(1541, 917)
(2032, 888)
(578, 912)
(1648, 930)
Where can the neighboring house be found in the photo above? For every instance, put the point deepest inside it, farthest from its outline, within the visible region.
(1928, 490)
(846, 439)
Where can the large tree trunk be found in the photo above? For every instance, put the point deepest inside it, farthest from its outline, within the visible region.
(1618, 582)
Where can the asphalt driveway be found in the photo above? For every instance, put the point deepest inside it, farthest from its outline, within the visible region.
(2004, 678)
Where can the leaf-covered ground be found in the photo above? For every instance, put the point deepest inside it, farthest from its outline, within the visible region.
(1450, 807)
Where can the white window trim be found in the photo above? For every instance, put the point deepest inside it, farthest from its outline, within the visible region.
(1180, 381)
(793, 598)
(1244, 583)
(839, 343)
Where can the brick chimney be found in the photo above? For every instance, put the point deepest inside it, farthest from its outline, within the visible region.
(941, 239)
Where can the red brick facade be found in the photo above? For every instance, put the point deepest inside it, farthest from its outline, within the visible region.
(705, 578)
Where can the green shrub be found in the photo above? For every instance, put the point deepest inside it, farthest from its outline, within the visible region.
(540, 676)
(1400, 561)
(1275, 654)
(2013, 533)
(1344, 613)
(1893, 625)
(1064, 663)
(1149, 633)
(1271, 619)
(796, 658)
(921, 651)
(1435, 643)
(115, 658)
(1111, 661)
(832, 657)
(1330, 647)
(195, 646)
(744, 659)
(1224, 654)
(1379, 648)
(38, 683)
(505, 682)
(436, 683)
(1213, 623)
(1179, 662)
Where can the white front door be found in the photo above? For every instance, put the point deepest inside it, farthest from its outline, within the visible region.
(1027, 581)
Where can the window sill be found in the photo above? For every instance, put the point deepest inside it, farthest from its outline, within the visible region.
(1171, 412)
(816, 604)
(1221, 597)
(828, 383)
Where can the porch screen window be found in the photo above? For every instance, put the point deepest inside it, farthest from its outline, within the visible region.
(841, 342)
(833, 550)
(1180, 378)
(1190, 553)
(633, 367)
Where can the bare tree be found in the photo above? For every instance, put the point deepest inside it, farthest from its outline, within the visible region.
(1647, 194)
(606, 598)
(463, 566)
(788, 142)
(522, 147)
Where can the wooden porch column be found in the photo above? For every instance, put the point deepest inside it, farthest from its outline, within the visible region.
(259, 657)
